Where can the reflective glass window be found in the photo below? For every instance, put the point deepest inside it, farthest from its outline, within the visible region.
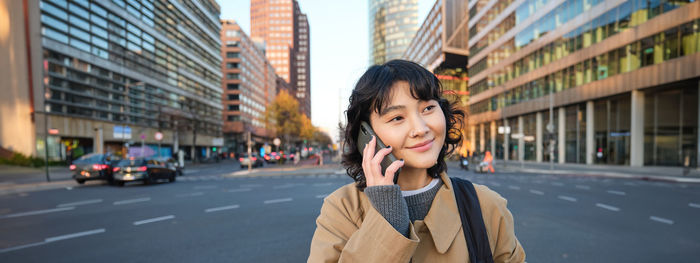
(119, 3)
(133, 29)
(77, 10)
(57, 12)
(55, 23)
(58, 36)
(80, 44)
(689, 38)
(75, 32)
(671, 43)
(61, 3)
(98, 21)
(99, 42)
(74, 20)
(96, 9)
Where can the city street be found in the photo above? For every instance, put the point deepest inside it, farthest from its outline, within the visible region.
(207, 216)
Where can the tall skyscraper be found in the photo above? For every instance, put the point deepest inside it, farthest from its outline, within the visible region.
(249, 86)
(586, 81)
(115, 73)
(392, 25)
(285, 30)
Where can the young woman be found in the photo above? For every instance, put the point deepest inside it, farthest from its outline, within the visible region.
(417, 219)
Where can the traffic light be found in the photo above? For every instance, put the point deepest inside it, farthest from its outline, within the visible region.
(213, 149)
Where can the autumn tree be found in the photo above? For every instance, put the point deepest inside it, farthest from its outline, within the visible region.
(283, 116)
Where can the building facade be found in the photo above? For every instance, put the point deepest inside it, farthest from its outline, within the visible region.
(585, 81)
(285, 31)
(115, 73)
(392, 25)
(249, 86)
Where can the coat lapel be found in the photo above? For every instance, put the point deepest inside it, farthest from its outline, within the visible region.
(443, 219)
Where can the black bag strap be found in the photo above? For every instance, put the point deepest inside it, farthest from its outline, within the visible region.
(472, 221)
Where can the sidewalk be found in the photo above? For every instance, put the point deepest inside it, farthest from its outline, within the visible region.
(17, 179)
(653, 173)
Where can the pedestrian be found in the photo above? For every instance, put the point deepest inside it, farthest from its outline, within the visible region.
(488, 159)
(424, 215)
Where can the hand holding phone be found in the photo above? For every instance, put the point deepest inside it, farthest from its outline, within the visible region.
(377, 159)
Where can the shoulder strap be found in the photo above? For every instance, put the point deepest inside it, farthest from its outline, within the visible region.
(472, 221)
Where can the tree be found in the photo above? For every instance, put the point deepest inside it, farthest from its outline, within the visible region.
(306, 130)
(283, 116)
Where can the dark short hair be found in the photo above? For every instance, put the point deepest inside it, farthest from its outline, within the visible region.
(372, 92)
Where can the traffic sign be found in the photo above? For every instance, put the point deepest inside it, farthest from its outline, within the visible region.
(159, 136)
(276, 141)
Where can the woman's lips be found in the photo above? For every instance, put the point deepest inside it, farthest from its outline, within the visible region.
(424, 147)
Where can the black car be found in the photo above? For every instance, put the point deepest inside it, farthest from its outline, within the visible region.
(92, 166)
(148, 170)
(172, 163)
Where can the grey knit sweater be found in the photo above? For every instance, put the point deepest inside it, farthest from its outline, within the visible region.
(399, 211)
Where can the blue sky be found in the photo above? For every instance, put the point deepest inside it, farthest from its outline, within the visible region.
(339, 50)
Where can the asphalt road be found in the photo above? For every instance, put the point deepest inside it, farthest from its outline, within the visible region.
(204, 217)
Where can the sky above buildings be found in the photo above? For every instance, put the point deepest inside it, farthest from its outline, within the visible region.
(339, 50)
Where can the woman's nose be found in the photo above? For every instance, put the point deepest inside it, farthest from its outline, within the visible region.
(420, 128)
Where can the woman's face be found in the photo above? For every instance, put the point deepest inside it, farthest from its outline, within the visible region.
(415, 129)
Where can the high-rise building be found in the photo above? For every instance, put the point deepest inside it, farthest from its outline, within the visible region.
(283, 27)
(586, 81)
(392, 25)
(249, 86)
(115, 73)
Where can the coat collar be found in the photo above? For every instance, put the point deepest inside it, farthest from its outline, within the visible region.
(443, 218)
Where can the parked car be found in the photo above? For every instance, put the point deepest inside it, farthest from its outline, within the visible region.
(173, 164)
(254, 160)
(92, 166)
(148, 170)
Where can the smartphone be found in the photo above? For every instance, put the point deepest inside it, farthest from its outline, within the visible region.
(363, 138)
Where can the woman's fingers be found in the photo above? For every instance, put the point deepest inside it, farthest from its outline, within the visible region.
(391, 171)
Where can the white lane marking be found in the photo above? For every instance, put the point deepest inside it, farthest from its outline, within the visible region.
(616, 192)
(609, 207)
(86, 202)
(694, 205)
(216, 209)
(514, 187)
(191, 194)
(131, 201)
(239, 190)
(74, 235)
(323, 184)
(661, 220)
(38, 212)
(283, 186)
(277, 200)
(153, 220)
(536, 192)
(321, 196)
(205, 187)
(584, 187)
(495, 184)
(21, 247)
(557, 184)
(567, 198)
(251, 185)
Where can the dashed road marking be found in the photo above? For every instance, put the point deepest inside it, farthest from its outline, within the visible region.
(536, 192)
(323, 184)
(283, 186)
(495, 184)
(131, 201)
(609, 207)
(190, 194)
(694, 205)
(74, 235)
(277, 200)
(567, 198)
(239, 190)
(661, 220)
(202, 187)
(584, 187)
(321, 196)
(216, 209)
(514, 187)
(86, 202)
(557, 184)
(251, 185)
(152, 220)
(616, 192)
(38, 212)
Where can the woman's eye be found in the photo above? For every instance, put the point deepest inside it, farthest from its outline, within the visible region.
(397, 118)
(429, 108)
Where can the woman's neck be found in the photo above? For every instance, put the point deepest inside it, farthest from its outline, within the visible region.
(413, 178)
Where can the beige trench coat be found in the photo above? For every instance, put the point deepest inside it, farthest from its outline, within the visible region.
(349, 229)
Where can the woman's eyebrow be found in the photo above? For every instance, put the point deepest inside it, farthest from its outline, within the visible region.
(391, 108)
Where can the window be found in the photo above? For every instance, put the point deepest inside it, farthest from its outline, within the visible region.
(231, 54)
(232, 86)
(233, 107)
(231, 65)
(233, 76)
(233, 97)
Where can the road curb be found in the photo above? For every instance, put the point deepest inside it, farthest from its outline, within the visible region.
(24, 188)
(660, 178)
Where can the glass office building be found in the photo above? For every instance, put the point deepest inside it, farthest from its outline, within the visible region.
(621, 78)
(116, 72)
(392, 25)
